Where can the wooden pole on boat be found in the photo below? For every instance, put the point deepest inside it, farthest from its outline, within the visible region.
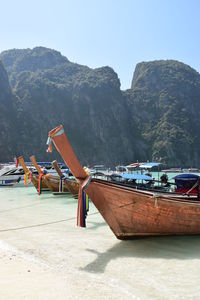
(71, 185)
(57, 168)
(60, 174)
(63, 146)
(27, 172)
(40, 173)
(32, 158)
(22, 163)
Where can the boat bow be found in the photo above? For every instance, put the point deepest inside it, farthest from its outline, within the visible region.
(60, 140)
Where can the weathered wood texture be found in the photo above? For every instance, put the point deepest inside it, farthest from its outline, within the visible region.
(131, 213)
(69, 185)
(35, 182)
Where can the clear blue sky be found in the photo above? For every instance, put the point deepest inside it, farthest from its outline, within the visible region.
(118, 33)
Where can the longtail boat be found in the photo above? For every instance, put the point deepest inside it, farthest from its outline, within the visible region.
(31, 176)
(130, 212)
(55, 183)
(66, 183)
(52, 182)
(11, 174)
(38, 180)
(27, 173)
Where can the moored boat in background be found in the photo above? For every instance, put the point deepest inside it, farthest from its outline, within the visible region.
(34, 176)
(10, 174)
(67, 183)
(173, 170)
(39, 180)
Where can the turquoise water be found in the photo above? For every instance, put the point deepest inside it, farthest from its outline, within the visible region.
(96, 264)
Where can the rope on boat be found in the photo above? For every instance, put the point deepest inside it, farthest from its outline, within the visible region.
(42, 224)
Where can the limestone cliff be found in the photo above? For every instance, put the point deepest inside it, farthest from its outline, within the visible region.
(165, 102)
(8, 119)
(157, 119)
(88, 102)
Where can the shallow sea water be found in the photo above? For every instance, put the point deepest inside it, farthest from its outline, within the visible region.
(96, 264)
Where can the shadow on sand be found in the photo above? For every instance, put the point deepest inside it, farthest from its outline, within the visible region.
(175, 247)
(95, 225)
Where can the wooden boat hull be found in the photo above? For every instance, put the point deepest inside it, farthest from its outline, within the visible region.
(69, 185)
(73, 186)
(131, 213)
(35, 182)
(53, 183)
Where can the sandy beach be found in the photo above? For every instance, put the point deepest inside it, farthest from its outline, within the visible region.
(44, 255)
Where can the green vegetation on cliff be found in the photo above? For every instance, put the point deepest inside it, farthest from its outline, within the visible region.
(8, 118)
(87, 101)
(165, 100)
(156, 119)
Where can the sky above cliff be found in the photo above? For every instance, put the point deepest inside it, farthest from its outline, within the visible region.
(118, 33)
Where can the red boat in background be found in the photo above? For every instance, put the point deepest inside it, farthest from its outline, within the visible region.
(187, 184)
(128, 211)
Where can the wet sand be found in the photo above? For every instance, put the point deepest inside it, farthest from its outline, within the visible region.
(43, 255)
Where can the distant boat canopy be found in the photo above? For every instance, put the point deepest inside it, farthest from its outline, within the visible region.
(143, 165)
(149, 165)
(136, 176)
(182, 177)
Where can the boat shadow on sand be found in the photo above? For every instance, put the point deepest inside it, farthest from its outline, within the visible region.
(174, 247)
